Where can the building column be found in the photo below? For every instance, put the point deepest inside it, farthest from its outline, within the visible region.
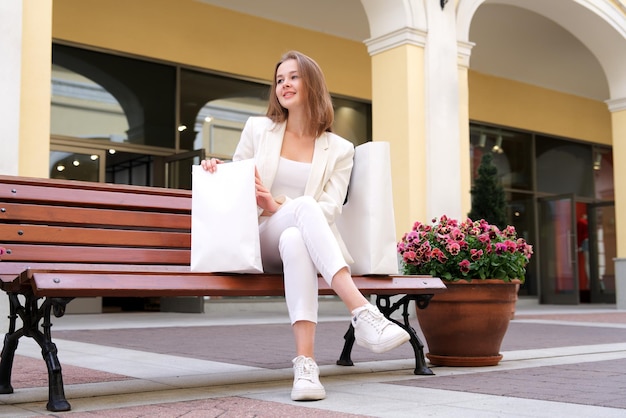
(26, 45)
(420, 106)
(464, 49)
(398, 117)
(443, 145)
(618, 122)
(10, 76)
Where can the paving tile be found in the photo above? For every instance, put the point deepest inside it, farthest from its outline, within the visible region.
(208, 408)
(584, 384)
(29, 372)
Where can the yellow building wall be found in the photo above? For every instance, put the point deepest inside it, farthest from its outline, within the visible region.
(518, 105)
(199, 35)
(34, 142)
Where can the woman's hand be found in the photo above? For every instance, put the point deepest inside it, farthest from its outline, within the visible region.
(210, 165)
(264, 198)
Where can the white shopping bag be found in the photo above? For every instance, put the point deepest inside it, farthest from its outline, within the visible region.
(367, 223)
(224, 222)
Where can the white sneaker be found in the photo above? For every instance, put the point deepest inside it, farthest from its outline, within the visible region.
(372, 330)
(306, 380)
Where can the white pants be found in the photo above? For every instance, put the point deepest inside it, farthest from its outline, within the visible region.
(298, 242)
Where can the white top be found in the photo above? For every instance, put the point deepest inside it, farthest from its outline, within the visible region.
(291, 178)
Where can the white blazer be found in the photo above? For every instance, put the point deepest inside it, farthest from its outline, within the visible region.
(331, 167)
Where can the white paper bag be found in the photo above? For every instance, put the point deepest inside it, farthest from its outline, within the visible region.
(367, 223)
(224, 222)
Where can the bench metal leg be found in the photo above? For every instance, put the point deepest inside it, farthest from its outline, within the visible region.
(387, 308)
(344, 359)
(31, 315)
(8, 350)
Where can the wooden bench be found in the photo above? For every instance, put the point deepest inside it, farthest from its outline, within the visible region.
(69, 239)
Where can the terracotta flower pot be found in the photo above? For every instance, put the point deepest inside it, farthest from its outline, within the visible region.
(465, 325)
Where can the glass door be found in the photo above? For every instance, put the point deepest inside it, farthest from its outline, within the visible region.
(557, 243)
(601, 251)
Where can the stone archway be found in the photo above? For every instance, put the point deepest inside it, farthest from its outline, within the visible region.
(596, 23)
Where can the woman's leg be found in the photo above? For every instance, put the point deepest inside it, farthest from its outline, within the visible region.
(283, 248)
(301, 290)
(344, 287)
(372, 329)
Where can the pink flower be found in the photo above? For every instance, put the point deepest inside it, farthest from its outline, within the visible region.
(484, 238)
(476, 254)
(439, 255)
(457, 235)
(510, 246)
(464, 266)
(453, 247)
(509, 232)
(500, 248)
(467, 250)
(408, 256)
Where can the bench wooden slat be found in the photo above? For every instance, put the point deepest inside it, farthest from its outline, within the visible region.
(93, 236)
(86, 284)
(74, 193)
(92, 254)
(58, 215)
(18, 267)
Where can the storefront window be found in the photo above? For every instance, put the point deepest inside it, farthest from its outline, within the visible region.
(511, 155)
(603, 174)
(150, 121)
(563, 167)
(520, 211)
(145, 91)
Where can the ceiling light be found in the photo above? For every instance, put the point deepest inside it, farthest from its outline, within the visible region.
(482, 141)
(498, 147)
(597, 163)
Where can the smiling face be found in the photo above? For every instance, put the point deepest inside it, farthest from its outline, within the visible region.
(290, 89)
(298, 85)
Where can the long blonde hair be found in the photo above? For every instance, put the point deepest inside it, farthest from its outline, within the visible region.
(320, 106)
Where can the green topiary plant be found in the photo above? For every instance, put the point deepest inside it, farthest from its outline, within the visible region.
(488, 199)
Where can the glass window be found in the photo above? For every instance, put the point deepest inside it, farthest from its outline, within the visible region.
(353, 120)
(81, 108)
(103, 84)
(603, 174)
(138, 116)
(563, 167)
(511, 155)
(75, 164)
(521, 214)
(214, 109)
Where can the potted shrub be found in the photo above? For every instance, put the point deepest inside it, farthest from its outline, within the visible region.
(482, 267)
(488, 198)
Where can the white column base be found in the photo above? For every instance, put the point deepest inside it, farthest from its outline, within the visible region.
(620, 282)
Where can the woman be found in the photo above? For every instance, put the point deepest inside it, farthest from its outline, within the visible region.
(302, 178)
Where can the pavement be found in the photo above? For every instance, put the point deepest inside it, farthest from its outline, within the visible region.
(234, 360)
